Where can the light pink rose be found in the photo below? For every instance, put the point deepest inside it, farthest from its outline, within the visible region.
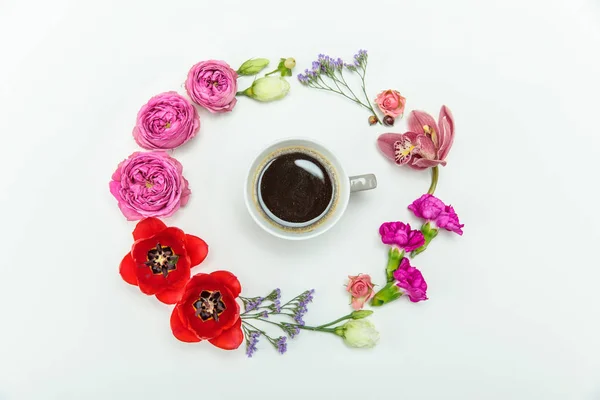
(213, 85)
(391, 103)
(361, 290)
(149, 184)
(167, 121)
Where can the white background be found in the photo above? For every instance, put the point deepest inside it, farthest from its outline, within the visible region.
(513, 310)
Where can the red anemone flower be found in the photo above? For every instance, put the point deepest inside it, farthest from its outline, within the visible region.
(208, 310)
(160, 259)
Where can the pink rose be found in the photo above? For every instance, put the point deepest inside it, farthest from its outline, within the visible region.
(213, 85)
(361, 290)
(391, 103)
(149, 184)
(168, 120)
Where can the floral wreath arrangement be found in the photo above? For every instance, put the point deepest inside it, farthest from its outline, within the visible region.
(150, 185)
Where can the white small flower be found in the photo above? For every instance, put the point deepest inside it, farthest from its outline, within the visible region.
(290, 63)
(268, 88)
(360, 333)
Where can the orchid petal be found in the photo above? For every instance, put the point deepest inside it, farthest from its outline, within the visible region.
(425, 147)
(446, 122)
(386, 143)
(421, 122)
(423, 163)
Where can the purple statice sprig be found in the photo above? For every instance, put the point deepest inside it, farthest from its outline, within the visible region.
(270, 310)
(327, 73)
(271, 315)
(251, 303)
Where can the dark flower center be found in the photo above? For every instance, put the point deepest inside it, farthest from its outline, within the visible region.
(209, 305)
(162, 260)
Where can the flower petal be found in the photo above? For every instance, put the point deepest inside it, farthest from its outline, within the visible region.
(446, 122)
(229, 280)
(180, 330)
(421, 122)
(425, 147)
(127, 270)
(172, 294)
(207, 329)
(147, 228)
(423, 163)
(231, 338)
(196, 248)
(386, 143)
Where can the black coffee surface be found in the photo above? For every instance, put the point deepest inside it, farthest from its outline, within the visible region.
(296, 187)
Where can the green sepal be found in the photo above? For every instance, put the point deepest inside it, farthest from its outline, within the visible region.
(360, 314)
(389, 293)
(428, 233)
(252, 66)
(394, 258)
(281, 68)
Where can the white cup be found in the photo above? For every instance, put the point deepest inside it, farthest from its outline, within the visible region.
(343, 186)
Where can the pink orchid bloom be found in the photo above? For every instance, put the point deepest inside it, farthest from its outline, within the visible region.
(425, 145)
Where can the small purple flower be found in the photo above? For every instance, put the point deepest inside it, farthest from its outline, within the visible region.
(298, 319)
(251, 343)
(264, 314)
(302, 78)
(254, 303)
(431, 208)
(316, 65)
(401, 235)
(309, 295)
(411, 280)
(277, 305)
(282, 344)
(292, 330)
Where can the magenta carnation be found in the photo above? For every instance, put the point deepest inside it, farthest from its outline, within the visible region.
(411, 281)
(149, 184)
(167, 121)
(400, 234)
(213, 85)
(433, 209)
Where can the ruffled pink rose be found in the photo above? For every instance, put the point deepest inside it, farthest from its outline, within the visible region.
(149, 184)
(391, 103)
(167, 121)
(411, 281)
(401, 235)
(361, 290)
(213, 85)
(433, 209)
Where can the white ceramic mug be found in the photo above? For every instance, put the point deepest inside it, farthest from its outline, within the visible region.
(343, 186)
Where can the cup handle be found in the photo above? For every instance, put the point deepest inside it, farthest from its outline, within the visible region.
(362, 182)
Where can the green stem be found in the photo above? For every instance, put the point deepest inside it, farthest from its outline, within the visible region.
(364, 88)
(308, 328)
(349, 316)
(434, 179)
(314, 328)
